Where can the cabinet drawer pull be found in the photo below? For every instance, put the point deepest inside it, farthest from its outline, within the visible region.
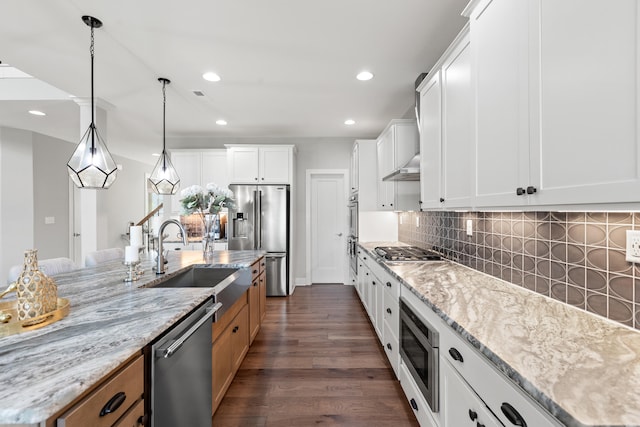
(531, 190)
(455, 354)
(388, 310)
(254, 271)
(235, 329)
(478, 424)
(113, 404)
(142, 420)
(389, 347)
(374, 282)
(512, 415)
(473, 415)
(414, 405)
(519, 191)
(388, 284)
(441, 199)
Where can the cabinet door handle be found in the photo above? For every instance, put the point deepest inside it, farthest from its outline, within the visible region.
(142, 420)
(256, 178)
(455, 354)
(389, 310)
(512, 415)
(473, 415)
(388, 284)
(235, 329)
(414, 405)
(519, 191)
(389, 347)
(441, 199)
(374, 282)
(254, 271)
(531, 190)
(113, 404)
(255, 283)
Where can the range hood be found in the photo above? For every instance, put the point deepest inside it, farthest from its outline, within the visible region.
(408, 172)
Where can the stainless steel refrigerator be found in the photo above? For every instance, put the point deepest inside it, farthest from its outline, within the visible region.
(260, 220)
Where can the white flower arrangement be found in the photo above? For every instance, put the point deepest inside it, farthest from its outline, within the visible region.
(195, 199)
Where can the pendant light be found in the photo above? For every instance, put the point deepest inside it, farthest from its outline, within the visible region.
(164, 179)
(91, 165)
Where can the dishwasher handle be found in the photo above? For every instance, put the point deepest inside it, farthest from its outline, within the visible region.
(167, 352)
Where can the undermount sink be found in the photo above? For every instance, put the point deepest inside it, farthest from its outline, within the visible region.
(199, 277)
(227, 284)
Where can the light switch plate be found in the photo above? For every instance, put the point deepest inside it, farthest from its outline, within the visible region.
(633, 246)
(49, 219)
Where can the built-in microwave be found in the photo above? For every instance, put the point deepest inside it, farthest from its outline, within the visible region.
(419, 352)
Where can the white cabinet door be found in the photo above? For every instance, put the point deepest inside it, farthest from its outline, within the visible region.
(457, 125)
(385, 162)
(214, 168)
(243, 165)
(430, 143)
(500, 45)
(589, 72)
(274, 165)
(463, 408)
(187, 164)
(367, 175)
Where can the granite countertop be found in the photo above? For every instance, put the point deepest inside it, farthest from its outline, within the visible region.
(109, 321)
(584, 369)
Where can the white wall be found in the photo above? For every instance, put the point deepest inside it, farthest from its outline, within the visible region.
(312, 153)
(16, 204)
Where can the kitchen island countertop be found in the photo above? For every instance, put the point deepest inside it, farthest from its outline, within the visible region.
(109, 321)
(582, 368)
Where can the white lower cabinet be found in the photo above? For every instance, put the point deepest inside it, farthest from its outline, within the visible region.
(416, 400)
(464, 407)
(391, 347)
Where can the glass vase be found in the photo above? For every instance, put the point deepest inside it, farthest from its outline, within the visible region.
(37, 293)
(208, 236)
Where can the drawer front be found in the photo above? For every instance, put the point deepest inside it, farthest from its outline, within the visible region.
(391, 285)
(391, 348)
(221, 324)
(134, 417)
(255, 270)
(391, 309)
(129, 382)
(416, 400)
(491, 385)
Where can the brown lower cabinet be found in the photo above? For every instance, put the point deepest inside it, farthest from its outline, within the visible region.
(230, 345)
(115, 402)
(257, 297)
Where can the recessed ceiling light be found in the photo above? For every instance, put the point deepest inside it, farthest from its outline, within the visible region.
(221, 122)
(155, 154)
(349, 122)
(364, 76)
(211, 77)
(37, 113)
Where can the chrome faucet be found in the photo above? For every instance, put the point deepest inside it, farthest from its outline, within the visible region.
(160, 259)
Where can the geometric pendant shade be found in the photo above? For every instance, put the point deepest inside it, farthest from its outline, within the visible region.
(91, 164)
(164, 179)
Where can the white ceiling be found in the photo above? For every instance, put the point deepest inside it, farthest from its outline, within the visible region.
(288, 66)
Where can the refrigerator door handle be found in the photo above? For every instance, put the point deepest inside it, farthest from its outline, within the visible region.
(259, 220)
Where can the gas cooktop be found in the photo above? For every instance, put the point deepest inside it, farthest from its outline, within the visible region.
(407, 253)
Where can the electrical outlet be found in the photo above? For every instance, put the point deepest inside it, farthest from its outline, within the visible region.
(417, 221)
(469, 227)
(633, 246)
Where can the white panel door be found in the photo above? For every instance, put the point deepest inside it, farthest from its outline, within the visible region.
(328, 224)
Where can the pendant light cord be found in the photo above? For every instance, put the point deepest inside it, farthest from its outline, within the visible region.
(93, 126)
(164, 114)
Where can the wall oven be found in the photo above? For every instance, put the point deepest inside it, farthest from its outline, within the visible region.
(419, 352)
(353, 216)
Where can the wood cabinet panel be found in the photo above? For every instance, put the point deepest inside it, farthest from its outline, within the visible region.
(126, 387)
(135, 417)
(221, 367)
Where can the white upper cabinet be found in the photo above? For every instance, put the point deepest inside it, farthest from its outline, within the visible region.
(556, 90)
(396, 145)
(198, 167)
(500, 46)
(260, 164)
(363, 174)
(447, 135)
(353, 171)
(587, 78)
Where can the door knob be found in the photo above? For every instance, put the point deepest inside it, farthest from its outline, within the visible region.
(76, 234)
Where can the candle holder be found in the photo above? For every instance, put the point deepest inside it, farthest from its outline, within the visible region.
(132, 273)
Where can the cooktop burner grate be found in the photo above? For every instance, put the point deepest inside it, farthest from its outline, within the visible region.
(407, 253)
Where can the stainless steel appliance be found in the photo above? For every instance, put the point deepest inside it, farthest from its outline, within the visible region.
(181, 372)
(419, 351)
(260, 220)
(407, 253)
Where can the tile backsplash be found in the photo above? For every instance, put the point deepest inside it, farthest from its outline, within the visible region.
(577, 258)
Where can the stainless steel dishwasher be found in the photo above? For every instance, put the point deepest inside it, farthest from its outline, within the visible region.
(181, 372)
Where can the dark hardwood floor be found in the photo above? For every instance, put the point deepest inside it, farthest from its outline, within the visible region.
(316, 360)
